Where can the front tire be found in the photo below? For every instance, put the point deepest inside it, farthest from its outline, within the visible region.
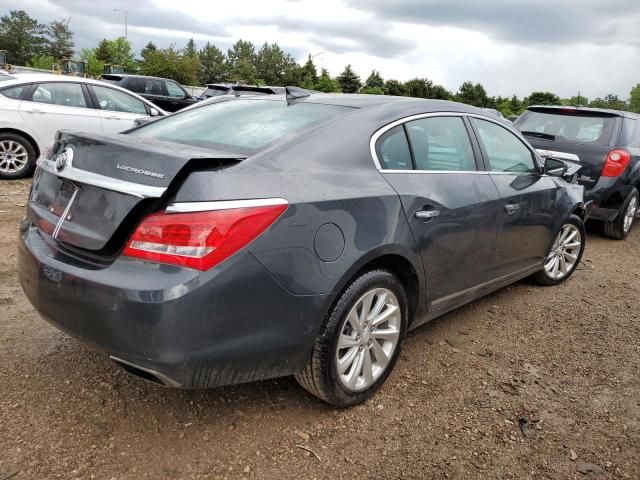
(565, 253)
(17, 156)
(621, 226)
(360, 342)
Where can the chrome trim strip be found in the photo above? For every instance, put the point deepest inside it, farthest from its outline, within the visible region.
(186, 207)
(435, 172)
(496, 281)
(97, 180)
(63, 217)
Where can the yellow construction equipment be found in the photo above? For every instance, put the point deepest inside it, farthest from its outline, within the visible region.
(112, 69)
(73, 68)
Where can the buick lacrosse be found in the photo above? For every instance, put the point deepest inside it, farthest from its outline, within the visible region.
(299, 234)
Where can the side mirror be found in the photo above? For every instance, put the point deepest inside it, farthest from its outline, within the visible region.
(153, 112)
(555, 167)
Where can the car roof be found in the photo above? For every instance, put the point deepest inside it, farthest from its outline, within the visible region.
(619, 113)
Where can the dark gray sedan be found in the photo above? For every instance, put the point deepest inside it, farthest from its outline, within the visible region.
(303, 234)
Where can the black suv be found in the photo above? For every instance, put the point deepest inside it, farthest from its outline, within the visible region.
(167, 94)
(606, 144)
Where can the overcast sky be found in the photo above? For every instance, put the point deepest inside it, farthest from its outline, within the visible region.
(510, 46)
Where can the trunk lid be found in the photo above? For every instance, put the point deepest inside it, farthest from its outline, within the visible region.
(589, 134)
(93, 189)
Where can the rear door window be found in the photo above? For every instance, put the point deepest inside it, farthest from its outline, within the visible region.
(244, 126)
(504, 150)
(63, 94)
(441, 143)
(568, 126)
(392, 150)
(154, 86)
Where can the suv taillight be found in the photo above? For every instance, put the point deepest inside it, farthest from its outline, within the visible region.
(199, 240)
(617, 161)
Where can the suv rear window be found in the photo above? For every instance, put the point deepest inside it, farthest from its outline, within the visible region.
(568, 126)
(243, 126)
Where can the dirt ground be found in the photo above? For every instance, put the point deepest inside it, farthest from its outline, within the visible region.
(527, 383)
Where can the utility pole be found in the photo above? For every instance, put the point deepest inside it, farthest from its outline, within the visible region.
(126, 21)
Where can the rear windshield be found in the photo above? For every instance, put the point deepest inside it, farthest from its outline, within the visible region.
(242, 126)
(571, 127)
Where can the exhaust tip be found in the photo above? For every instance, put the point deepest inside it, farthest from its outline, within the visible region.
(144, 373)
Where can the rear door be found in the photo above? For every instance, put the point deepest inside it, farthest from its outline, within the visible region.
(52, 106)
(117, 109)
(528, 200)
(449, 202)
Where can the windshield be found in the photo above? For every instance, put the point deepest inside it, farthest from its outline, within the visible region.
(243, 126)
(571, 127)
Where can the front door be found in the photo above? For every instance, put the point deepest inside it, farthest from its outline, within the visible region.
(450, 204)
(527, 213)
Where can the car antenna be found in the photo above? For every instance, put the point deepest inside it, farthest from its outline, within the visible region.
(294, 93)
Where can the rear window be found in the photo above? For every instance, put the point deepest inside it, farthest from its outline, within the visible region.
(243, 126)
(14, 92)
(571, 127)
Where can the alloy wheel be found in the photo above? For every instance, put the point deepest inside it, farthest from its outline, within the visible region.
(630, 214)
(13, 156)
(564, 252)
(368, 339)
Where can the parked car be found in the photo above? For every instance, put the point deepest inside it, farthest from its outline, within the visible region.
(255, 237)
(166, 94)
(219, 89)
(34, 106)
(607, 145)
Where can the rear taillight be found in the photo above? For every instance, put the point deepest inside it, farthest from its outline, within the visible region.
(199, 240)
(617, 161)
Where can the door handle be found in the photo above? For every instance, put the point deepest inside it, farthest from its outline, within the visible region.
(511, 208)
(427, 214)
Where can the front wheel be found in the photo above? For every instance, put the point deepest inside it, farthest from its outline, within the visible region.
(360, 342)
(621, 226)
(565, 253)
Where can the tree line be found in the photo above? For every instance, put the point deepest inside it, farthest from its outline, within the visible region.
(41, 46)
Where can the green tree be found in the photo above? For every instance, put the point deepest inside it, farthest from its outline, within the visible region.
(103, 51)
(171, 63)
(375, 80)
(425, 88)
(149, 47)
(394, 87)
(576, 101)
(44, 62)
(542, 98)
(241, 58)
(95, 67)
(349, 80)
(309, 74)
(22, 36)
(213, 65)
(190, 50)
(610, 101)
(474, 95)
(274, 67)
(634, 99)
(60, 39)
(326, 83)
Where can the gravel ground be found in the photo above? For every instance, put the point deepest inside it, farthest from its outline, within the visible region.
(529, 382)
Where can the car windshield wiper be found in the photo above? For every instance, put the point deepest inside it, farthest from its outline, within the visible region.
(547, 136)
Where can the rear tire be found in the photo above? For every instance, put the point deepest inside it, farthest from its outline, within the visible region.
(565, 254)
(622, 225)
(17, 156)
(358, 345)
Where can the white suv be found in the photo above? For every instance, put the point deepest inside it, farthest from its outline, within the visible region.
(33, 107)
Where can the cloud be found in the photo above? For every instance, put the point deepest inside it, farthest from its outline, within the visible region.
(521, 22)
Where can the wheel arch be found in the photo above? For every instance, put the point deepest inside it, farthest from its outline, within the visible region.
(24, 134)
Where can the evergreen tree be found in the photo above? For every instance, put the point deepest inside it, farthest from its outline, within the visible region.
(22, 36)
(60, 39)
(191, 50)
(103, 52)
(634, 99)
(394, 87)
(241, 58)
(326, 83)
(148, 48)
(375, 80)
(542, 98)
(213, 65)
(309, 74)
(349, 80)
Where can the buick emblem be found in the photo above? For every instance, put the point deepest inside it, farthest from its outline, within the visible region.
(64, 158)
